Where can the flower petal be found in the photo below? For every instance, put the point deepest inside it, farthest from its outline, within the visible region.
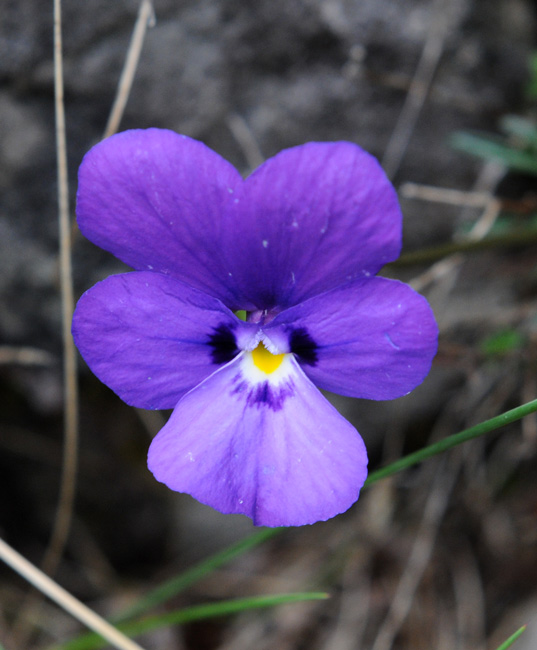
(155, 200)
(373, 338)
(272, 448)
(309, 219)
(152, 338)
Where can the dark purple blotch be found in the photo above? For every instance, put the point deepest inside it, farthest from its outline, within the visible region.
(223, 344)
(303, 346)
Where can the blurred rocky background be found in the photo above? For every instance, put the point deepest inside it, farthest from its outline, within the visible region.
(248, 79)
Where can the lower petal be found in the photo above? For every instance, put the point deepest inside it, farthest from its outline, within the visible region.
(271, 448)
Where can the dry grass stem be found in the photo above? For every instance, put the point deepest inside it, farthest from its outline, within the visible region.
(153, 421)
(419, 89)
(469, 599)
(490, 176)
(352, 619)
(25, 356)
(64, 599)
(245, 138)
(446, 195)
(146, 18)
(64, 510)
(420, 554)
(68, 481)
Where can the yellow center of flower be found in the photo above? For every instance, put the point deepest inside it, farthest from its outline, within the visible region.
(265, 360)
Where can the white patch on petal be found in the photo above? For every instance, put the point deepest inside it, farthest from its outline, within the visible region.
(260, 389)
(253, 375)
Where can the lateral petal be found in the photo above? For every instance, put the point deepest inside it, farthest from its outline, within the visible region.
(151, 338)
(373, 338)
(272, 449)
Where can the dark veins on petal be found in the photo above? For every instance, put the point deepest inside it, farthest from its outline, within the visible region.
(303, 346)
(263, 395)
(223, 344)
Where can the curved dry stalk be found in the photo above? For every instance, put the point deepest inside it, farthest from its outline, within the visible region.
(25, 356)
(447, 195)
(64, 510)
(469, 598)
(433, 48)
(146, 17)
(352, 619)
(481, 195)
(64, 599)
(245, 138)
(435, 507)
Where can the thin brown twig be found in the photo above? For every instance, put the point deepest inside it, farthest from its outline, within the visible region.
(245, 138)
(64, 510)
(446, 631)
(146, 18)
(469, 597)
(62, 523)
(479, 231)
(354, 609)
(25, 356)
(447, 195)
(419, 557)
(484, 186)
(64, 599)
(419, 89)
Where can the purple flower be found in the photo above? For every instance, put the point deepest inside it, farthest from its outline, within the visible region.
(295, 246)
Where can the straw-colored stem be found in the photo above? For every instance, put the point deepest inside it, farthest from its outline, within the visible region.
(64, 599)
(145, 16)
(64, 509)
(419, 88)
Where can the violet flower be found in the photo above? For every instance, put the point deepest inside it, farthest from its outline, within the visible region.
(295, 246)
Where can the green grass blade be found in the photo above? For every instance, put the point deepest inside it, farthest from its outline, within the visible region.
(176, 585)
(509, 642)
(519, 127)
(492, 149)
(452, 441)
(196, 613)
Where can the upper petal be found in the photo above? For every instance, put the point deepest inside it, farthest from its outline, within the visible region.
(155, 199)
(373, 338)
(151, 338)
(309, 219)
(275, 450)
